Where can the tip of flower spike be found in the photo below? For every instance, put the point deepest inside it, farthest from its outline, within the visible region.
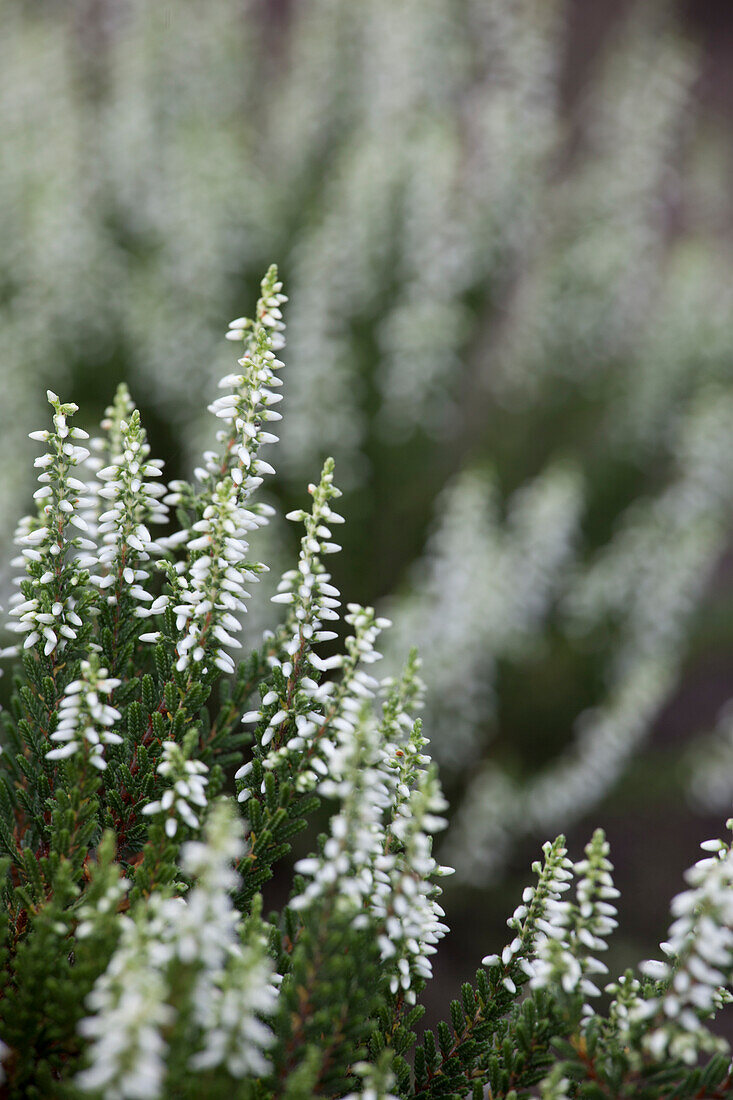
(52, 397)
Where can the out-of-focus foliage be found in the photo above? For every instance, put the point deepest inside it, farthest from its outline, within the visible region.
(511, 320)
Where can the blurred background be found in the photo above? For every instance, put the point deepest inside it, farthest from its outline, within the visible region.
(505, 230)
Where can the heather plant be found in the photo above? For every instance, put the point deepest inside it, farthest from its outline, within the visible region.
(155, 792)
(513, 295)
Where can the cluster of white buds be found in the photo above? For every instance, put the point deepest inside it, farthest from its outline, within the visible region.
(129, 1012)
(213, 593)
(229, 1011)
(235, 985)
(377, 860)
(308, 590)
(626, 992)
(188, 781)
(268, 312)
(353, 855)
(405, 900)
(85, 720)
(130, 501)
(45, 607)
(199, 947)
(103, 450)
(699, 966)
(324, 715)
(403, 698)
(249, 405)
(532, 919)
(573, 932)
(303, 710)
(210, 593)
(376, 1082)
(92, 912)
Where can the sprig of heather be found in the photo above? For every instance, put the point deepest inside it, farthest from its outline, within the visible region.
(322, 713)
(532, 920)
(85, 719)
(208, 588)
(187, 781)
(695, 979)
(469, 1052)
(565, 955)
(131, 502)
(188, 987)
(104, 449)
(211, 593)
(405, 903)
(377, 861)
(300, 718)
(294, 707)
(53, 594)
(343, 871)
(243, 410)
(279, 785)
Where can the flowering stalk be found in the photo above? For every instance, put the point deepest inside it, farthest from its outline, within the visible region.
(695, 980)
(46, 609)
(572, 931)
(183, 968)
(85, 721)
(187, 781)
(128, 502)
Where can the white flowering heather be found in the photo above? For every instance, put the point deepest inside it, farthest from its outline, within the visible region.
(45, 608)
(402, 160)
(556, 1086)
(405, 902)
(235, 985)
(343, 873)
(127, 1048)
(378, 856)
(404, 697)
(187, 780)
(131, 500)
(326, 714)
(249, 405)
(210, 594)
(645, 582)
(626, 993)
(189, 963)
(213, 593)
(532, 919)
(103, 906)
(698, 972)
(307, 590)
(573, 932)
(299, 712)
(105, 448)
(85, 719)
